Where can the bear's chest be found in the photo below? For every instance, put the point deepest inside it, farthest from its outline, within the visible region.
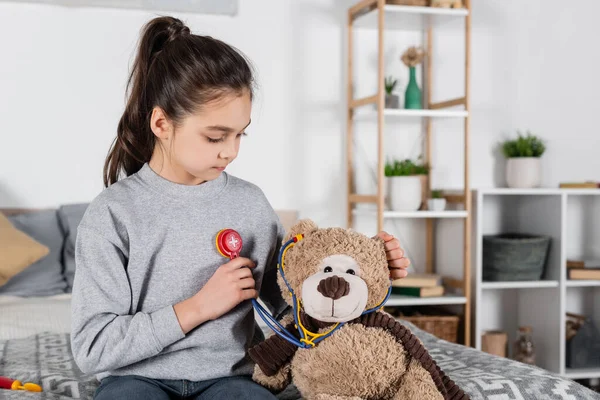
(354, 361)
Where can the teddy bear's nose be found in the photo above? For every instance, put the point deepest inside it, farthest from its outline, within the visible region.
(334, 287)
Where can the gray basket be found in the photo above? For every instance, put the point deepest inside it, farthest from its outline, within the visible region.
(514, 257)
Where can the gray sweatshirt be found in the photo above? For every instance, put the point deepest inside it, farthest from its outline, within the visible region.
(145, 244)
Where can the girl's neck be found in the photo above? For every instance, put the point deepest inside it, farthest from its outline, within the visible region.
(170, 170)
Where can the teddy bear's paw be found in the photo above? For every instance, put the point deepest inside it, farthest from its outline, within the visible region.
(274, 383)
(417, 383)
(334, 397)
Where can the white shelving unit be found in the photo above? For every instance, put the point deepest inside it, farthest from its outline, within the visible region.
(570, 217)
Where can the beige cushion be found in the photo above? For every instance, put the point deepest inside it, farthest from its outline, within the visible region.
(17, 250)
(288, 218)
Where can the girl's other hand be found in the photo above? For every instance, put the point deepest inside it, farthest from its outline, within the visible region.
(397, 263)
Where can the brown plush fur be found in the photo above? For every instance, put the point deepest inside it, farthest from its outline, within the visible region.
(341, 366)
(282, 379)
(366, 357)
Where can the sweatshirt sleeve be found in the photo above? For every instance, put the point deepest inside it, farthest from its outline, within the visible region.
(105, 335)
(270, 292)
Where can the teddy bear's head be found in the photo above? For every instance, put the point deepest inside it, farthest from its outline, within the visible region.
(336, 273)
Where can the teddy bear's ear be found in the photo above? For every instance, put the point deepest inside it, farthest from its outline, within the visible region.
(304, 226)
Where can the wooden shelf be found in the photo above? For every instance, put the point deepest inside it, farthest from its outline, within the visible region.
(377, 15)
(537, 192)
(410, 18)
(412, 214)
(519, 285)
(582, 283)
(449, 299)
(404, 113)
(582, 373)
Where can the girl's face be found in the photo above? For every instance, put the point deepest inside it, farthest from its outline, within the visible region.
(203, 144)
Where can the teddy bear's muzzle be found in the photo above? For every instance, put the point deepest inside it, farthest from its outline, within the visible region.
(334, 287)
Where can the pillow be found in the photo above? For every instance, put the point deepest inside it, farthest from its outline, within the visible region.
(70, 216)
(44, 277)
(17, 250)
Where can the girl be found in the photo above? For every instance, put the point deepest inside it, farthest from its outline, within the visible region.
(157, 311)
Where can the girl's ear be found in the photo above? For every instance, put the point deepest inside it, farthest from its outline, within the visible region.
(304, 226)
(159, 123)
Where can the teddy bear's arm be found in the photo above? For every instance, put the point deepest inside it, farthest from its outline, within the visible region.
(275, 383)
(416, 350)
(273, 353)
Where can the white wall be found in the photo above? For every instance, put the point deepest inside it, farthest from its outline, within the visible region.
(63, 73)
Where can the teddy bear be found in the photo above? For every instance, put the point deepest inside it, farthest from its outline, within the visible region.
(345, 346)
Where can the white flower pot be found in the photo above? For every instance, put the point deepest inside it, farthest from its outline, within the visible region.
(523, 172)
(436, 204)
(404, 193)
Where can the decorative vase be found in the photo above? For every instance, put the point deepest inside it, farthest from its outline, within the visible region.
(404, 193)
(436, 204)
(412, 97)
(392, 101)
(523, 172)
(494, 342)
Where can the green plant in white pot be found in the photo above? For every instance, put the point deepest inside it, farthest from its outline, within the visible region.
(404, 184)
(523, 165)
(436, 202)
(391, 100)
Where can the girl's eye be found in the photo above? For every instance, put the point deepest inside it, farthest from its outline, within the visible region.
(211, 140)
(328, 269)
(241, 134)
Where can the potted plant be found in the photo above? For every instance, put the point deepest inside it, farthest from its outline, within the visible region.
(412, 57)
(523, 165)
(437, 202)
(391, 100)
(404, 184)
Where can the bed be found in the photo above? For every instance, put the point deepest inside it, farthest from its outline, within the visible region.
(35, 347)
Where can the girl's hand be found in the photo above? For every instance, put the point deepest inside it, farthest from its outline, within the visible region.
(397, 263)
(231, 284)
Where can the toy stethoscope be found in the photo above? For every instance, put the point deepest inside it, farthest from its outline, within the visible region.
(229, 244)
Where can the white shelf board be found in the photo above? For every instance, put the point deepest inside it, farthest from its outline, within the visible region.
(413, 214)
(536, 192)
(582, 373)
(398, 17)
(404, 113)
(582, 283)
(519, 285)
(399, 300)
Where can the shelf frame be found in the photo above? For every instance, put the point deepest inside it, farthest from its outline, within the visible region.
(430, 111)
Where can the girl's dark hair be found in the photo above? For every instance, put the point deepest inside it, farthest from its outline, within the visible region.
(178, 72)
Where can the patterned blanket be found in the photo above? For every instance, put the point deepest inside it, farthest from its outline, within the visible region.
(46, 359)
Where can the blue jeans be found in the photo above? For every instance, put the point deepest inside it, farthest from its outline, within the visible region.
(133, 387)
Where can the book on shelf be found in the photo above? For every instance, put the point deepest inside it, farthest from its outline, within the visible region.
(433, 291)
(418, 280)
(584, 274)
(580, 185)
(583, 263)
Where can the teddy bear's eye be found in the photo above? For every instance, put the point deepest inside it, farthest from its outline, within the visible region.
(351, 272)
(328, 269)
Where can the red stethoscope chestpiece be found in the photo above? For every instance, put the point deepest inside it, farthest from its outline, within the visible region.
(229, 243)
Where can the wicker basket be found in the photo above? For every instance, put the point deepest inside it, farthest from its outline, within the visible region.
(443, 326)
(422, 3)
(436, 322)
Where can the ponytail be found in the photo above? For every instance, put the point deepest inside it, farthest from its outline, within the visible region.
(178, 72)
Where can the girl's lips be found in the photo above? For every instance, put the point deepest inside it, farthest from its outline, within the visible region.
(220, 168)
